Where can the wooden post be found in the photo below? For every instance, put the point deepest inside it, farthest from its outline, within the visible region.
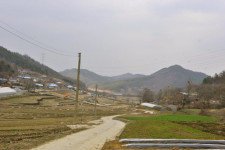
(77, 91)
(96, 93)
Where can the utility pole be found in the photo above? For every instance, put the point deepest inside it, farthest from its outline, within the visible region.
(77, 91)
(96, 93)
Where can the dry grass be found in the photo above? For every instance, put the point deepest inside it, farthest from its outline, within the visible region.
(116, 145)
(113, 145)
(24, 125)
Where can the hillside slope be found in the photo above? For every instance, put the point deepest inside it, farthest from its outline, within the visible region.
(25, 62)
(174, 76)
(7, 69)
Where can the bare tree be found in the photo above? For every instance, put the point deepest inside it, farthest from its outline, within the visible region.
(146, 95)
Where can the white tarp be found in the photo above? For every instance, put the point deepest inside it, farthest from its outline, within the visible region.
(157, 107)
(4, 90)
(148, 105)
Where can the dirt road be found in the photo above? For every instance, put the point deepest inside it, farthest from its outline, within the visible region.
(91, 139)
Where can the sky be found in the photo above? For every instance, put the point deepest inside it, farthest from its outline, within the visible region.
(117, 36)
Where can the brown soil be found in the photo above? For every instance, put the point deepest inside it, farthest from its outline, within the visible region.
(115, 144)
(38, 136)
(183, 133)
(27, 126)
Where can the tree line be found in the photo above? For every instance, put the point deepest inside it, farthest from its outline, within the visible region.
(6, 69)
(210, 93)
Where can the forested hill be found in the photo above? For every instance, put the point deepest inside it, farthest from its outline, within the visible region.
(25, 62)
(7, 69)
(173, 76)
(91, 79)
(216, 79)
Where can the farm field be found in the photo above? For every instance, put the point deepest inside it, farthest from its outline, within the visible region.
(173, 126)
(176, 118)
(31, 120)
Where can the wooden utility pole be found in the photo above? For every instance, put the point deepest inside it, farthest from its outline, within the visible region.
(77, 91)
(96, 93)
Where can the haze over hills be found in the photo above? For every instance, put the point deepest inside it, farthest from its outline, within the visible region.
(174, 76)
(90, 78)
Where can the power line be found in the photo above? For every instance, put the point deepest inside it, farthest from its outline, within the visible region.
(30, 42)
(190, 61)
(29, 37)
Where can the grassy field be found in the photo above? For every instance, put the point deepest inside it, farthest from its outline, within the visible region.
(175, 126)
(176, 118)
(164, 130)
(171, 126)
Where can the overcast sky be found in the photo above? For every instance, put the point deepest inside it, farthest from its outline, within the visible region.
(118, 36)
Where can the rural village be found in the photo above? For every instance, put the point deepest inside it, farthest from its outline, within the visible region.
(112, 75)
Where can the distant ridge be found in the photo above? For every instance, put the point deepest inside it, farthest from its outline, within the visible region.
(173, 76)
(90, 78)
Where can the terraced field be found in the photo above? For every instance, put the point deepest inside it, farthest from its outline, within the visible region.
(30, 120)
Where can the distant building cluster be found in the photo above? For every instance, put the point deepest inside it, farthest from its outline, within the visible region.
(30, 81)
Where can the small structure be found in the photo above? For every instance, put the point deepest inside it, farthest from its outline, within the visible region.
(20, 76)
(52, 85)
(154, 106)
(38, 85)
(66, 96)
(3, 80)
(118, 94)
(70, 86)
(173, 108)
(6, 91)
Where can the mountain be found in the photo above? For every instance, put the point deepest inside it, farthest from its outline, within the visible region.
(174, 76)
(7, 69)
(25, 62)
(91, 78)
(126, 76)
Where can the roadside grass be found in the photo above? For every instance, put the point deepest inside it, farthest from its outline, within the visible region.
(156, 129)
(176, 118)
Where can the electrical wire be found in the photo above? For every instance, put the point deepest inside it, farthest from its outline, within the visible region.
(108, 67)
(29, 37)
(30, 42)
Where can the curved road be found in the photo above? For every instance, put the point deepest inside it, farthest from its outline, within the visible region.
(90, 139)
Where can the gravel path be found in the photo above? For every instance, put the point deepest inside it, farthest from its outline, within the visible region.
(90, 139)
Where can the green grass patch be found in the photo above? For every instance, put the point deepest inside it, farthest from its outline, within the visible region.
(176, 118)
(164, 130)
